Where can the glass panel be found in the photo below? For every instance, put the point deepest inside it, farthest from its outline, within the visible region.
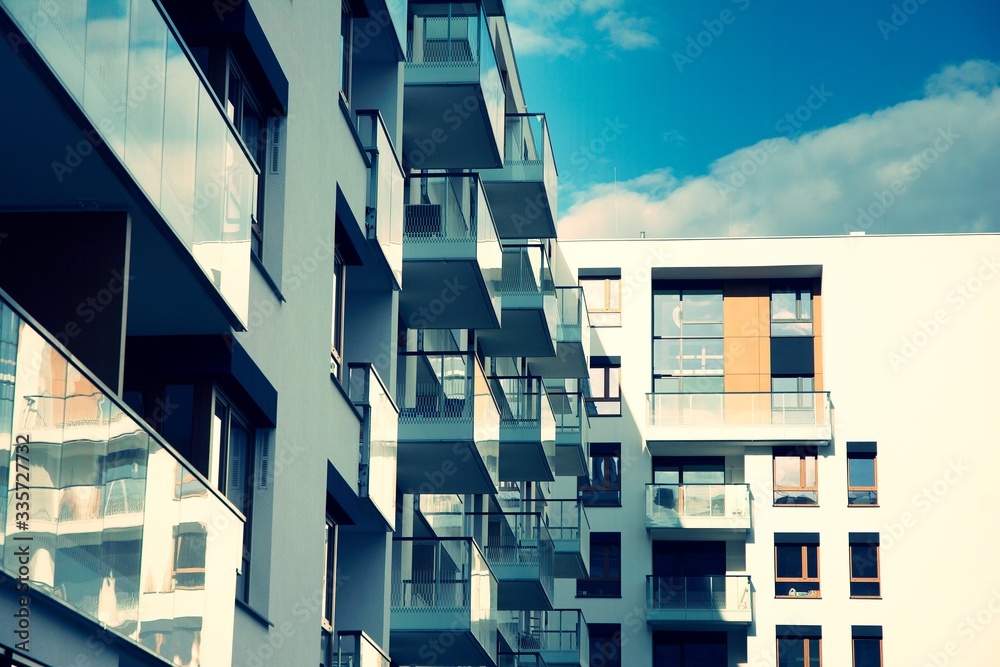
(180, 131)
(812, 561)
(810, 466)
(702, 306)
(667, 356)
(594, 291)
(788, 559)
(707, 473)
(666, 314)
(787, 471)
(861, 471)
(805, 304)
(791, 329)
(702, 355)
(614, 294)
(864, 561)
(867, 652)
(106, 88)
(61, 38)
(146, 74)
(814, 657)
(783, 305)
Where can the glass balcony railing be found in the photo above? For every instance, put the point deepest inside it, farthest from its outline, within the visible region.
(574, 319)
(442, 586)
(397, 13)
(559, 636)
(526, 283)
(119, 526)
(450, 207)
(525, 553)
(379, 438)
(698, 506)
(134, 79)
(384, 208)
(450, 43)
(525, 414)
(746, 416)
(527, 148)
(572, 427)
(444, 513)
(356, 649)
(724, 597)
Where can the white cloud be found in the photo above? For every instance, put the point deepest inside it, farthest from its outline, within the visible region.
(627, 32)
(941, 152)
(529, 41)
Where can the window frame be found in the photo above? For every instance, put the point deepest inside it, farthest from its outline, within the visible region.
(803, 455)
(854, 649)
(805, 578)
(222, 453)
(328, 603)
(607, 385)
(346, 51)
(337, 326)
(247, 97)
(607, 547)
(877, 579)
(588, 492)
(799, 318)
(606, 312)
(685, 376)
(872, 490)
(803, 641)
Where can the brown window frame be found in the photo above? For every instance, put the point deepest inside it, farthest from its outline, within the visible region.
(805, 647)
(863, 489)
(802, 478)
(805, 579)
(877, 579)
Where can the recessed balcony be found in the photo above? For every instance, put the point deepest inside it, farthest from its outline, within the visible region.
(449, 425)
(379, 440)
(442, 588)
(709, 601)
(122, 529)
(384, 206)
(745, 419)
(572, 358)
(453, 93)
(527, 430)
(119, 82)
(352, 649)
(524, 193)
(700, 510)
(529, 312)
(570, 530)
(560, 637)
(451, 255)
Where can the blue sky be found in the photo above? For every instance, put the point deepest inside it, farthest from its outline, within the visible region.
(671, 93)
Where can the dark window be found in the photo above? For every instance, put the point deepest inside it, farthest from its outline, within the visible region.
(795, 476)
(791, 311)
(329, 573)
(605, 644)
(799, 652)
(690, 649)
(250, 121)
(234, 442)
(605, 387)
(688, 348)
(867, 651)
(605, 578)
(862, 479)
(604, 303)
(865, 574)
(346, 47)
(796, 570)
(603, 488)
(337, 329)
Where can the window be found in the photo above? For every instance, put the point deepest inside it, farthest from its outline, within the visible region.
(862, 476)
(688, 348)
(247, 116)
(233, 442)
(799, 651)
(337, 331)
(190, 544)
(793, 400)
(605, 387)
(605, 644)
(605, 579)
(329, 573)
(604, 303)
(791, 311)
(865, 566)
(866, 644)
(795, 476)
(346, 49)
(796, 567)
(604, 485)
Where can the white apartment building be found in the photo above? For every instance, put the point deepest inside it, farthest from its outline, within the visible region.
(793, 453)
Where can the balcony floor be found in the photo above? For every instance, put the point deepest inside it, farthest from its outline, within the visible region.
(446, 289)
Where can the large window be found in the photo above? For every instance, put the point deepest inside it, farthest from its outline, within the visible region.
(688, 349)
(865, 575)
(862, 475)
(233, 440)
(603, 487)
(605, 579)
(604, 304)
(799, 651)
(795, 476)
(796, 567)
(605, 644)
(866, 645)
(605, 387)
(791, 311)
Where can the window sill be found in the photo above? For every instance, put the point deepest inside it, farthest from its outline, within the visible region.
(798, 597)
(866, 597)
(256, 615)
(850, 505)
(256, 261)
(598, 597)
(794, 505)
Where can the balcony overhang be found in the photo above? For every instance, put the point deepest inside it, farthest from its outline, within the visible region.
(415, 629)
(446, 287)
(525, 455)
(445, 458)
(522, 205)
(525, 330)
(445, 120)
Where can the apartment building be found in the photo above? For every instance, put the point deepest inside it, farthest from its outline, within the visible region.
(288, 375)
(791, 451)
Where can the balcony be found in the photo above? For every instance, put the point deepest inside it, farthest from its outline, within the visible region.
(451, 255)
(570, 529)
(126, 88)
(384, 207)
(572, 427)
(529, 311)
(524, 193)
(527, 430)
(702, 510)
(449, 425)
(379, 440)
(442, 589)
(352, 649)
(572, 358)
(453, 94)
(715, 601)
(122, 529)
(520, 551)
(745, 419)
(560, 637)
